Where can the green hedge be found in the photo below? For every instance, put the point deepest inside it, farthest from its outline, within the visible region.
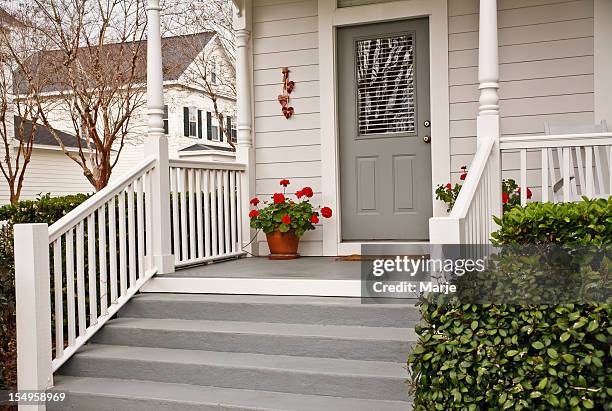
(531, 357)
(45, 209)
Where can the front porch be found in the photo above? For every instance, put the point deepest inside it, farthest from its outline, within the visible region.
(142, 248)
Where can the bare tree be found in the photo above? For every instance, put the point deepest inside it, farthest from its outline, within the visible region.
(18, 117)
(213, 69)
(97, 67)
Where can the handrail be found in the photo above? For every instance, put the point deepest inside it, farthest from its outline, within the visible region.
(97, 200)
(466, 195)
(556, 140)
(210, 165)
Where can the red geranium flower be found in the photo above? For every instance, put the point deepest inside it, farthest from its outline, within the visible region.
(314, 219)
(326, 212)
(254, 201)
(505, 198)
(529, 193)
(463, 176)
(307, 191)
(284, 182)
(449, 186)
(279, 198)
(299, 194)
(253, 213)
(286, 219)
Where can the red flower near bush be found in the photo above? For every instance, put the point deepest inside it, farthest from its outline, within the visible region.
(529, 193)
(505, 198)
(299, 194)
(449, 186)
(284, 182)
(278, 198)
(314, 219)
(253, 213)
(255, 201)
(307, 191)
(326, 212)
(286, 219)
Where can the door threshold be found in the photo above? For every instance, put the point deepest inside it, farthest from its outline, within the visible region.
(355, 247)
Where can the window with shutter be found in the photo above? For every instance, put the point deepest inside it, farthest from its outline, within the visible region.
(165, 118)
(199, 123)
(209, 125)
(385, 85)
(186, 121)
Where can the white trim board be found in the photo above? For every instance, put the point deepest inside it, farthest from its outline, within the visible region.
(329, 19)
(254, 286)
(603, 60)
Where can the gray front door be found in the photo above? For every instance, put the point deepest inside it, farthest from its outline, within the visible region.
(383, 108)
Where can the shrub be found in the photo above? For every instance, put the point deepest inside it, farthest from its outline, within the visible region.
(520, 356)
(45, 209)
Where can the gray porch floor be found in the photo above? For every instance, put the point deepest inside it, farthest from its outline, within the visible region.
(320, 268)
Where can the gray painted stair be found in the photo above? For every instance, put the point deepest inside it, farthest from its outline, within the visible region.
(187, 352)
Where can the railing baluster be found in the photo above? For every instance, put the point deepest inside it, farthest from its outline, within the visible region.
(200, 229)
(599, 165)
(192, 216)
(523, 177)
(207, 224)
(580, 166)
(213, 212)
(112, 249)
(70, 297)
(220, 222)
(545, 173)
(58, 289)
(80, 249)
(233, 209)
(183, 191)
(148, 183)
(140, 226)
(102, 258)
(566, 175)
(226, 212)
(588, 171)
(609, 150)
(131, 235)
(123, 274)
(92, 269)
(176, 242)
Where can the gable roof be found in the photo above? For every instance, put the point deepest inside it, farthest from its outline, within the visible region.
(43, 136)
(178, 52)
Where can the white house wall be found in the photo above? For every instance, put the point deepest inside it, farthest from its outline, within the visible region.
(285, 35)
(546, 72)
(49, 171)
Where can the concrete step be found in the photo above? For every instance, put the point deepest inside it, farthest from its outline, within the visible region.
(103, 394)
(272, 309)
(291, 374)
(307, 340)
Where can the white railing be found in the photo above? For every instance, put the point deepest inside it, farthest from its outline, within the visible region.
(471, 219)
(73, 276)
(561, 168)
(206, 209)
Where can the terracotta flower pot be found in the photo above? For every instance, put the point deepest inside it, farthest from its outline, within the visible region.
(283, 246)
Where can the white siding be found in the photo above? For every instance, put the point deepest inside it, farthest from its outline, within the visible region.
(285, 35)
(49, 171)
(546, 70)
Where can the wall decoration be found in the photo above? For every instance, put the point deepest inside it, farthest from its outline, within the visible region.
(284, 98)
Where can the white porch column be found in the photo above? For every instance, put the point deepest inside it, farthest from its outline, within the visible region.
(156, 145)
(488, 76)
(33, 295)
(245, 151)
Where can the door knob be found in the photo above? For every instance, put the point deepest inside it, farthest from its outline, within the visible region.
(427, 139)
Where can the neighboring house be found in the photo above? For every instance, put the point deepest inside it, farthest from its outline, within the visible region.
(189, 117)
(49, 170)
